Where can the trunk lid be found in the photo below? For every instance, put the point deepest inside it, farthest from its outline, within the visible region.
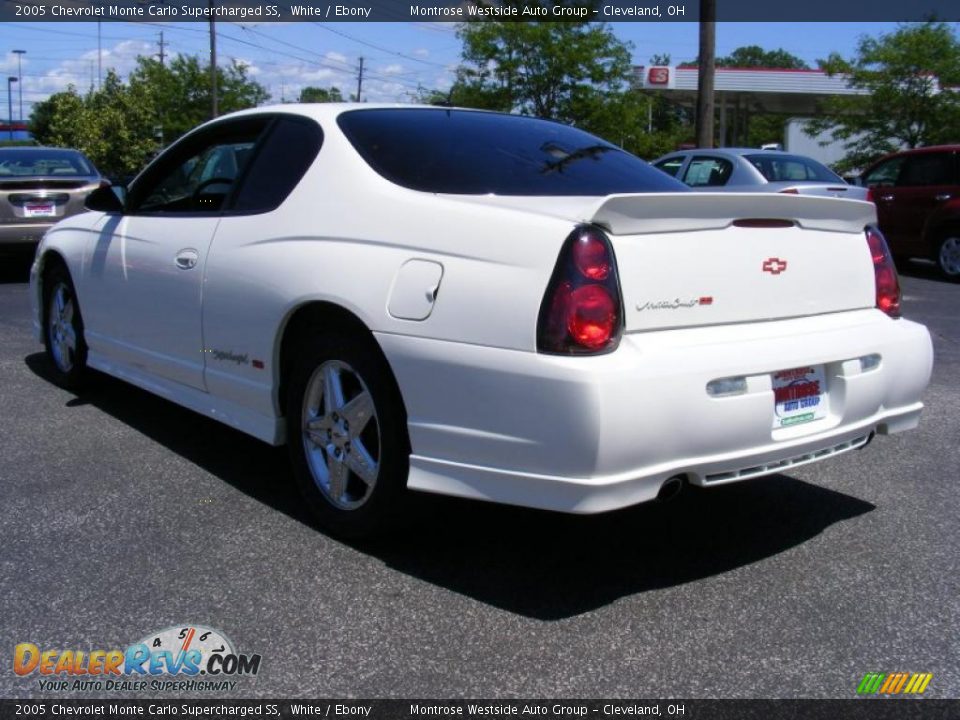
(693, 259)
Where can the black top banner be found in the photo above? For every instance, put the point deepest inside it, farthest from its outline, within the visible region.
(647, 11)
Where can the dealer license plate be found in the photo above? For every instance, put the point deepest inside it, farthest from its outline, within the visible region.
(800, 395)
(39, 209)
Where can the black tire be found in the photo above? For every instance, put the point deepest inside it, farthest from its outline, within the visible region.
(325, 456)
(63, 329)
(948, 256)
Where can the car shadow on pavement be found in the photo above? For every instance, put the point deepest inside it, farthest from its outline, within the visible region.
(921, 269)
(15, 267)
(551, 566)
(542, 565)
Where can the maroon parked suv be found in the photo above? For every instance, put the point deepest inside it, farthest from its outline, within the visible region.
(917, 193)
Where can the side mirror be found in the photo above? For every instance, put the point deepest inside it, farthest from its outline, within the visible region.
(106, 199)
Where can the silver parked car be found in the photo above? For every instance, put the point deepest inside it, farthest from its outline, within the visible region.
(38, 187)
(755, 170)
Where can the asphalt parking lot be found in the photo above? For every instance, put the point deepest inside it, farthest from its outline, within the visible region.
(122, 515)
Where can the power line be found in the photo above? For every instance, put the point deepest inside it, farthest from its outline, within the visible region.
(379, 47)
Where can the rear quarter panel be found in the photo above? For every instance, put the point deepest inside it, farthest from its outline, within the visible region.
(341, 237)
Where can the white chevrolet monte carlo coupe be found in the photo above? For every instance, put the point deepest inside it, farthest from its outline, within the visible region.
(483, 305)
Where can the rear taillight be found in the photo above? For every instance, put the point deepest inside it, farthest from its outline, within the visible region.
(870, 197)
(885, 274)
(581, 311)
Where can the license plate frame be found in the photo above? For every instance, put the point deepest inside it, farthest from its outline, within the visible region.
(40, 209)
(800, 396)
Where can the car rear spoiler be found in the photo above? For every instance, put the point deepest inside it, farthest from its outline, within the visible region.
(684, 212)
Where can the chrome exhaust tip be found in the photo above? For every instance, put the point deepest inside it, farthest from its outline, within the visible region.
(671, 488)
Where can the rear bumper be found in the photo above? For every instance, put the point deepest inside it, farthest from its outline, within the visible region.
(24, 234)
(595, 434)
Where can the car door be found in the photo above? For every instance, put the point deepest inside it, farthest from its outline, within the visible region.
(671, 165)
(147, 264)
(924, 182)
(243, 304)
(707, 171)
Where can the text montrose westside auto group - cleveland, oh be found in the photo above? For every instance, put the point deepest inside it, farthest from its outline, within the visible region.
(474, 11)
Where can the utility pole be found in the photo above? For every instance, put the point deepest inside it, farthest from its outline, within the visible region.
(99, 59)
(214, 109)
(708, 48)
(162, 55)
(20, 54)
(360, 80)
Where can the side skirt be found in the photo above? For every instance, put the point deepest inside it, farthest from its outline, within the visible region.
(269, 429)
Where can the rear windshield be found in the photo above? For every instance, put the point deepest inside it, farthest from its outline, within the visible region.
(43, 161)
(790, 168)
(478, 153)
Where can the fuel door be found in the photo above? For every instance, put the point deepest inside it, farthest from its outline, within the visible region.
(415, 290)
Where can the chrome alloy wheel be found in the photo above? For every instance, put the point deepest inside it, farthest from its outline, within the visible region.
(341, 435)
(61, 328)
(950, 256)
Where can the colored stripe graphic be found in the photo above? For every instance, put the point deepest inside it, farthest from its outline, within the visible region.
(870, 683)
(894, 683)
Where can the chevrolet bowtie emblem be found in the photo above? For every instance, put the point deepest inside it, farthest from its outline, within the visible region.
(774, 266)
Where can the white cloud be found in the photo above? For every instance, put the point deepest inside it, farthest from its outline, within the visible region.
(253, 70)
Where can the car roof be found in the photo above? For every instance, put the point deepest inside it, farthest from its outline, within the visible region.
(929, 148)
(326, 111)
(25, 148)
(913, 151)
(739, 151)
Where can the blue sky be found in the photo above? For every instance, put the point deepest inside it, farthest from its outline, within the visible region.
(398, 57)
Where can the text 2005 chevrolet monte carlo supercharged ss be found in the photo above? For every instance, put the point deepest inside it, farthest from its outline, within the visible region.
(482, 305)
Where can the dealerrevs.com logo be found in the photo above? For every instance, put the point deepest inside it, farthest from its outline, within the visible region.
(186, 657)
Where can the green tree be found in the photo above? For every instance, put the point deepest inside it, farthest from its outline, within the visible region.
(559, 70)
(901, 75)
(113, 126)
(121, 125)
(182, 93)
(320, 95)
(754, 56)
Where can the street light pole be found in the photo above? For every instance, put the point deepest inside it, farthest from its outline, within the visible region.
(20, 54)
(10, 81)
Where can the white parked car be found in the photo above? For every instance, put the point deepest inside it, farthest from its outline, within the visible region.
(756, 170)
(482, 305)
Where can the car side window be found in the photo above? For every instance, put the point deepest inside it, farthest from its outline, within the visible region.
(286, 154)
(708, 172)
(671, 166)
(886, 173)
(198, 174)
(933, 168)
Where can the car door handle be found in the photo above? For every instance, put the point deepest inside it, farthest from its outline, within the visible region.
(187, 259)
(886, 198)
(943, 197)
